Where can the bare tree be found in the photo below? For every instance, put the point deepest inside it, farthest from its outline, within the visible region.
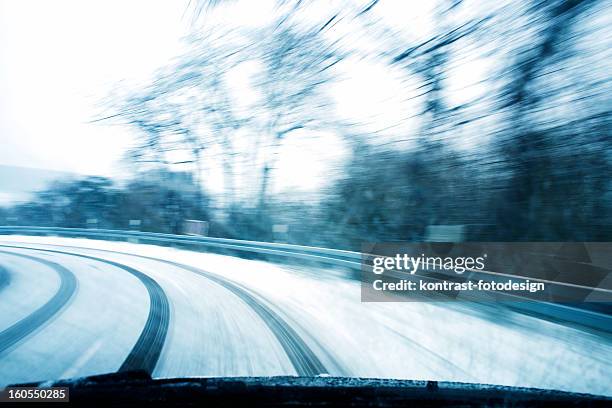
(297, 67)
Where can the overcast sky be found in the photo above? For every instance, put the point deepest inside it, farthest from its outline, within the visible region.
(59, 58)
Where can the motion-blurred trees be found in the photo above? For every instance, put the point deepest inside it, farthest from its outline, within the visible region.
(297, 66)
(540, 172)
(558, 165)
(522, 154)
(97, 202)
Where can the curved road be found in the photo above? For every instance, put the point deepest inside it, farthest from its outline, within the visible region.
(43, 315)
(147, 349)
(181, 313)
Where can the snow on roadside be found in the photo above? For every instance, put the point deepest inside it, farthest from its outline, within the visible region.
(414, 340)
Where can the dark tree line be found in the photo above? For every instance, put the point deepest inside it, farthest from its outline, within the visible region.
(97, 202)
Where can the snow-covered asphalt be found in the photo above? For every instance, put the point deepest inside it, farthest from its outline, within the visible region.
(76, 307)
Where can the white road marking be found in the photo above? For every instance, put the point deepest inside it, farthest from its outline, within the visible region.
(82, 360)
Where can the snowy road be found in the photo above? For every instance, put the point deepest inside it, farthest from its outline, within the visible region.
(75, 307)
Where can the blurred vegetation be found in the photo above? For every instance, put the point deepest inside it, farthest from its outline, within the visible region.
(96, 202)
(537, 167)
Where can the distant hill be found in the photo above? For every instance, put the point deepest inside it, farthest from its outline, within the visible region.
(18, 183)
